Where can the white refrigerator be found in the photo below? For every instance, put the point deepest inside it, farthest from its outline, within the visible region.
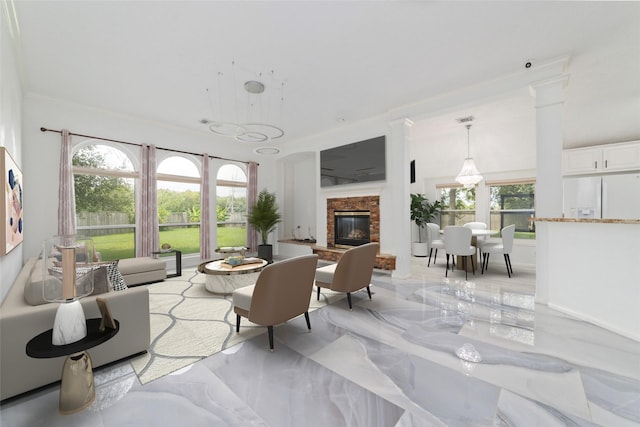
(603, 196)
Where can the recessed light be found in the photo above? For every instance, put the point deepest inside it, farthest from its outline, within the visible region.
(254, 87)
(270, 151)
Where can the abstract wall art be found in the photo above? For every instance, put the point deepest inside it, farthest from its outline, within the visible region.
(12, 229)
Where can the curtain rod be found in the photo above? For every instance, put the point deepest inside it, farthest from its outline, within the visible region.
(43, 129)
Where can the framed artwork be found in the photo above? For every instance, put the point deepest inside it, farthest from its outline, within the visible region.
(11, 231)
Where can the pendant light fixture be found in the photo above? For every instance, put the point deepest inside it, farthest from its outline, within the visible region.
(469, 175)
(251, 129)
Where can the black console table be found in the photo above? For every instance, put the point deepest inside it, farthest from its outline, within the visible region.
(178, 255)
(77, 390)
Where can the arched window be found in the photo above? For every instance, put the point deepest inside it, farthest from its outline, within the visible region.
(179, 204)
(231, 202)
(104, 180)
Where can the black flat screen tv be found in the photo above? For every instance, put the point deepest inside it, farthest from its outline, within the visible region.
(362, 161)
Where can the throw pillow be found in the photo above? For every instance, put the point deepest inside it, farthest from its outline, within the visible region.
(115, 277)
(101, 284)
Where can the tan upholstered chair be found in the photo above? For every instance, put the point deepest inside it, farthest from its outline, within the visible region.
(282, 292)
(352, 272)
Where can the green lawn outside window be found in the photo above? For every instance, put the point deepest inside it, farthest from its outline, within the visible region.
(119, 246)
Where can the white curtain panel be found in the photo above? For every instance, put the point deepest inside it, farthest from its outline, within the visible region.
(252, 195)
(205, 211)
(66, 191)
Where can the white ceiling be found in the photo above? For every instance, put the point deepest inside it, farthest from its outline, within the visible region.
(347, 60)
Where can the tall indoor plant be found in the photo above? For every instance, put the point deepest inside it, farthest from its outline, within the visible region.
(264, 217)
(422, 212)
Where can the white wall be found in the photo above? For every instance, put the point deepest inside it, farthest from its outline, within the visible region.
(298, 203)
(587, 283)
(11, 139)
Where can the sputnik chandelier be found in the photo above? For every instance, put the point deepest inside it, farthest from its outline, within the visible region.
(257, 98)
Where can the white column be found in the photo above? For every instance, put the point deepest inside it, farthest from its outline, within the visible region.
(549, 95)
(396, 232)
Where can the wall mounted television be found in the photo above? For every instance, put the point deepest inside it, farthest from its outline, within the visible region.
(362, 161)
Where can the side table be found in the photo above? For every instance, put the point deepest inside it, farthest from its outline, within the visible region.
(178, 255)
(77, 390)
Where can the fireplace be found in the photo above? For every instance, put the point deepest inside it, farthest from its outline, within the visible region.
(352, 228)
(368, 206)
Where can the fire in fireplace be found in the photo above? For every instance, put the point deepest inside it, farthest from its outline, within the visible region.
(351, 228)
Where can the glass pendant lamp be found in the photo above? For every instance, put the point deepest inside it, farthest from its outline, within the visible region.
(469, 176)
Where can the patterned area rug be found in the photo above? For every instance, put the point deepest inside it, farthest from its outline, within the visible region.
(188, 323)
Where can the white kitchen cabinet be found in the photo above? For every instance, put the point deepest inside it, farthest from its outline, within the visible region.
(621, 157)
(602, 159)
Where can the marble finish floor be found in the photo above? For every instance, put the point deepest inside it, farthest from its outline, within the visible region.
(422, 352)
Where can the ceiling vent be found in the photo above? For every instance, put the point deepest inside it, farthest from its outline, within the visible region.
(467, 119)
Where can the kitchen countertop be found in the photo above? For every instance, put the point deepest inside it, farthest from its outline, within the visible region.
(589, 220)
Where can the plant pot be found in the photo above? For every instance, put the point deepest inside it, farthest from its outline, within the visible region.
(420, 249)
(266, 253)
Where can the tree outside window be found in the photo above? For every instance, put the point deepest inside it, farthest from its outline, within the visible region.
(513, 203)
(458, 205)
(231, 199)
(104, 180)
(178, 187)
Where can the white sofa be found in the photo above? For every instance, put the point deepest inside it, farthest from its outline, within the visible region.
(137, 271)
(20, 321)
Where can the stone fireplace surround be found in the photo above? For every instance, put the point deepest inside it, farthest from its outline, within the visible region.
(366, 203)
(363, 203)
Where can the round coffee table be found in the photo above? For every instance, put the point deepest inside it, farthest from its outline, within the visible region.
(223, 279)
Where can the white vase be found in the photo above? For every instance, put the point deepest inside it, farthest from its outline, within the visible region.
(69, 325)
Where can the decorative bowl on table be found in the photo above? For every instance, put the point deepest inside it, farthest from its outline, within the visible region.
(235, 260)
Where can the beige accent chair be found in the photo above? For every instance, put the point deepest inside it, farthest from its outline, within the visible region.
(282, 291)
(351, 273)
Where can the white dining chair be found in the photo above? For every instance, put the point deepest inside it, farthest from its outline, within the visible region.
(435, 242)
(457, 242)
(504, 248)
(482, 240)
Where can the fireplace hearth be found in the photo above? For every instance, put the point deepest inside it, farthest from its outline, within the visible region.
(352, 228)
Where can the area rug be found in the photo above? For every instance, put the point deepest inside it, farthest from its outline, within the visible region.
(189, 323)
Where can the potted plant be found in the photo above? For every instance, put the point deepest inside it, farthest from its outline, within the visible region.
(264, 217)
(422, 212)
